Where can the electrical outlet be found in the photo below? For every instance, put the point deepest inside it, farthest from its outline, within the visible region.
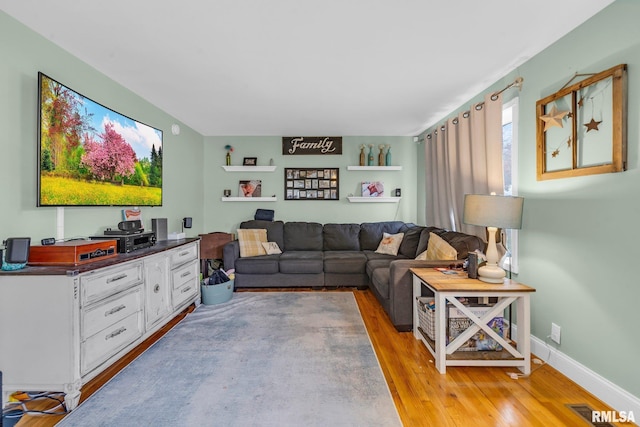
(555, 333)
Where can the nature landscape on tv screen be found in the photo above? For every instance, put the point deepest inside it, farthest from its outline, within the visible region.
(93, 156)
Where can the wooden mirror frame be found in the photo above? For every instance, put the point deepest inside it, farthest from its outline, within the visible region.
(618, 162)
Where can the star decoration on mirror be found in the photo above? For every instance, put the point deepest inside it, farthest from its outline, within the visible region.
(592, 125)
(553, 118)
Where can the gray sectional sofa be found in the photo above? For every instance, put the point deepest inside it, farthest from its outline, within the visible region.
(344, 255)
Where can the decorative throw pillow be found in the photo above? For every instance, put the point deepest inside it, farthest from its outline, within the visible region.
(272, 248)
(422, 256)
(390, 243)
(250, 241)
(438, 248)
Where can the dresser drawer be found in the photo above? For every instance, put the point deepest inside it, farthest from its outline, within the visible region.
(110, 311)
(184, 254)
(107, 342)
(184, 293)
(102, 283)
(185, 274)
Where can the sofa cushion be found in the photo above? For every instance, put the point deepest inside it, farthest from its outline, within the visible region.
(390, 244)
(267, 264)
(409, 245)
(302, 236)
(371, 233)
(275, 229)
(351, 262)
(380, 280)
(374, 264)
(463, 243)
(301, 262)
(341, 237)
(251, 240)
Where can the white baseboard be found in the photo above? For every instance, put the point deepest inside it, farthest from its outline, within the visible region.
(611, 394)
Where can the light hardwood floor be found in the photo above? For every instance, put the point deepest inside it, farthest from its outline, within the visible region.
(465, 396)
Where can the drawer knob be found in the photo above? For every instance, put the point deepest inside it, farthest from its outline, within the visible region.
(185, 274)
(186, 289)
(114, 310)
(156, 289)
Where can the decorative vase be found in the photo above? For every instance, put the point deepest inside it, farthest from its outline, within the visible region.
(381, 157)
(228, 159)
(362, 156)
(387, 160)
(371, 156)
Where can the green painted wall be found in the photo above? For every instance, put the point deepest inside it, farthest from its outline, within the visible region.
(23, 54)
(226, 216)
(578, 243)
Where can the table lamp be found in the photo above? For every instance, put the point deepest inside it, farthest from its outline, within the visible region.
(493, 212)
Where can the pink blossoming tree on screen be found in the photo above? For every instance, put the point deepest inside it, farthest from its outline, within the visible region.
(110, 158)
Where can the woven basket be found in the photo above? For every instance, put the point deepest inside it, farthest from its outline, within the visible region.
(426, 316)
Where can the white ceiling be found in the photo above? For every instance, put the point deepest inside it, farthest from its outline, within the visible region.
(304, 67)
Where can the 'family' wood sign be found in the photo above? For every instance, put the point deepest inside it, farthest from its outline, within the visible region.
(294, 145)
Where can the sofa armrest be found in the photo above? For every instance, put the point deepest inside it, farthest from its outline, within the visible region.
(401, 288)
(230, 253)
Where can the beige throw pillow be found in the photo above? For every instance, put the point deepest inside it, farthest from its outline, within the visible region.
(439, 249)
(250, 240)
(271, 248)
(390, 244)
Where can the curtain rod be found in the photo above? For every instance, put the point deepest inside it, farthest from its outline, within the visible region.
(516, 83)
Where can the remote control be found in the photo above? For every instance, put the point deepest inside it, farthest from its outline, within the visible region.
(48, 241)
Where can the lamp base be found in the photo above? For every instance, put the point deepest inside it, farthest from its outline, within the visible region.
(491, 273)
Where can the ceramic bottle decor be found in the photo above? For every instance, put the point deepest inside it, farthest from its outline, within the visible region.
(228, 159)
(381, 155)
(370, 155)
(362, 155)
(387, 160)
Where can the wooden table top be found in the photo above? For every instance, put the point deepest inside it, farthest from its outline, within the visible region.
(459, 281)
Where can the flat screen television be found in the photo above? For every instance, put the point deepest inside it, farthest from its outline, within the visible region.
(90, 155)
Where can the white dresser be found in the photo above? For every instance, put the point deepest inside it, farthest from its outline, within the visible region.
(62, 326)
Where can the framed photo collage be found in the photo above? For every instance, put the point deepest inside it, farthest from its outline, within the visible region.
(311, 184)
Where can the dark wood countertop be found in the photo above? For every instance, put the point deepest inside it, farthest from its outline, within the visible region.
(74, 270)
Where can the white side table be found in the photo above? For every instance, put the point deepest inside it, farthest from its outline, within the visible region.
(446, 289)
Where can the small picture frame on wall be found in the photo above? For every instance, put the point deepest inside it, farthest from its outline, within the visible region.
(250, 161)
(250, 188)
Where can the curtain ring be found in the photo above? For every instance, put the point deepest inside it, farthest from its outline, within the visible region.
(466, 114)
(429, 136)
(494, 97)
(478, 107)
(455, 121)
(442, 128)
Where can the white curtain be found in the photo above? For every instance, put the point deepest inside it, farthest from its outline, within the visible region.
(463, 156)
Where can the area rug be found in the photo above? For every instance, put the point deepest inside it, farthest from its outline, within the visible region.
(261, 359)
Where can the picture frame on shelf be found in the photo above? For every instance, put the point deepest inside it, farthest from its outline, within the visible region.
(250, 188)
(372, 189)
(250, 161)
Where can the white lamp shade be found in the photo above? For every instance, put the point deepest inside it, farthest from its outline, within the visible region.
(493, 211)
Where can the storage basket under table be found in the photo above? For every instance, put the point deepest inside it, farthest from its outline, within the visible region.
(427, 316)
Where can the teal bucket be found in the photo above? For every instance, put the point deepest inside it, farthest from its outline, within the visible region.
(217, 294)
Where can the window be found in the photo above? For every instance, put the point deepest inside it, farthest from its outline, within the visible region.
(510, 166)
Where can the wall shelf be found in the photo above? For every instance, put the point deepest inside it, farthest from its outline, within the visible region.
(249, 199)
(249, 168)
(355, 199)
(374, 168)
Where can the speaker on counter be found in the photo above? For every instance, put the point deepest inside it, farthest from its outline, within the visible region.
(186, 222)
(159, 226)
(17, 250)
(132, 225)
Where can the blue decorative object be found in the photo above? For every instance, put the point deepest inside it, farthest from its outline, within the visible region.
(387, 160)
(370, 154)
(11, 267)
